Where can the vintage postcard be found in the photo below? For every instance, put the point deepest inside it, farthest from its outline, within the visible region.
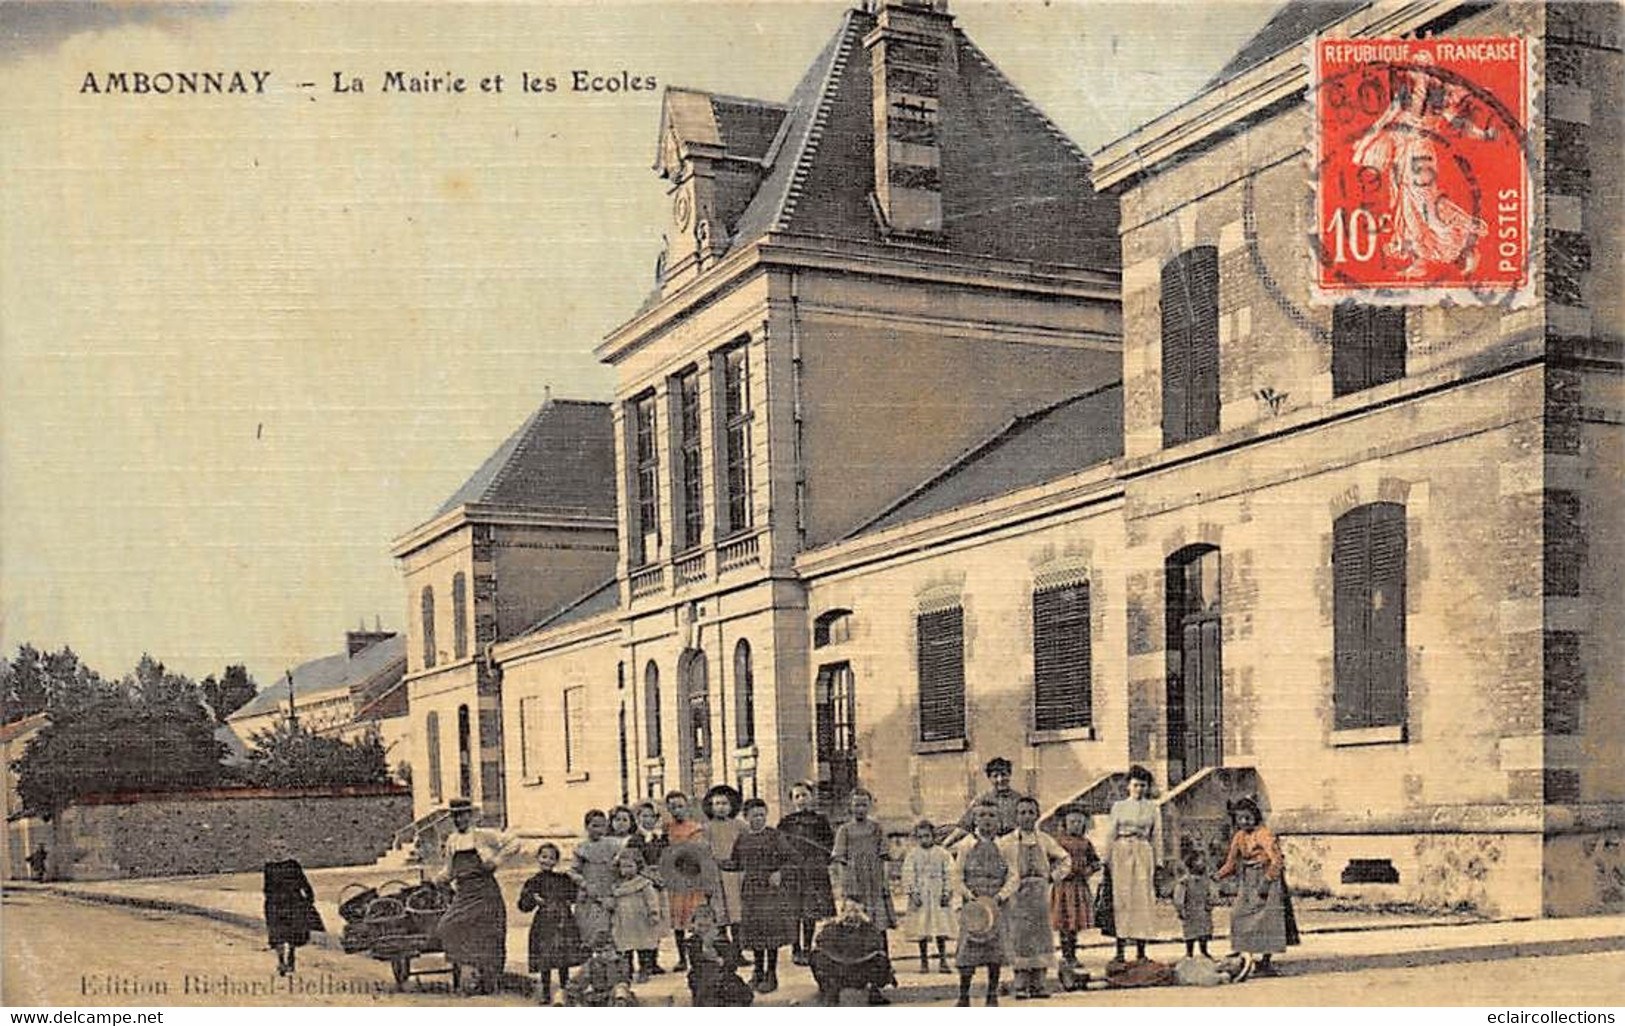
(785, 503)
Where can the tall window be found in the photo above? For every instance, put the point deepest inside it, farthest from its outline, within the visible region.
(427, 601)
(744, 697)
(737, 414)
(459, 615)
(1368, 346)
(531, 738)
(651, 708)
(575, 729)
(431, 742)
(1061, 685)
(1368, 575)
(1190, 345)
(688, 392)
(941, 646)
(465, 753)
(646, 453)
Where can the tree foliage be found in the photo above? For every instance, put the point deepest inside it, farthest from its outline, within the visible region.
(34, 681)
(233, 690)
(149, 732)
(290, 755)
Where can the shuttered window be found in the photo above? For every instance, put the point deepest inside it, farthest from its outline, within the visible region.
(575, 730)
(530, 738)
(459, 616)
(1368, 346)
(941, 637)
(426, 600)
(1190, 345)
(1368, 571)
(651, 709)
(431, 742)
(1061, 695)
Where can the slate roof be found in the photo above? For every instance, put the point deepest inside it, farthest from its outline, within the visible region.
(1037, 447)
(605, 598)
(329, 673)
(1293, 23)
(560, 461)
(1013, 185)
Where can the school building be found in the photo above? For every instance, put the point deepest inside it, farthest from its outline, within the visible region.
(937, 440)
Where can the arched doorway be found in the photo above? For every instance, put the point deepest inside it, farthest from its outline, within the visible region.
(695, 723)
(1195, 662)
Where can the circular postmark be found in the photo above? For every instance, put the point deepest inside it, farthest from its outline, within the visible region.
(1420, 186)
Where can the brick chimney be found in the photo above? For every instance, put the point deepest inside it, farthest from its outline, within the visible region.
(356, 642)
(911, 50)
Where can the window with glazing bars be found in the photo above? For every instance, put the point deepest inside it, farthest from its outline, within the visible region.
(648, 470)
(941, 651)
(737, 418)
(1061, 655)
(688, 392)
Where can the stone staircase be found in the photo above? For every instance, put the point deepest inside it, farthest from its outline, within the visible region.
(1196, 813)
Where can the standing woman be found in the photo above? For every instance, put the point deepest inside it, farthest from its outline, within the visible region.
(1131, 861)
(813, 838)
(1262, 924)
(290, 907)
(474, 929)
(722, 809)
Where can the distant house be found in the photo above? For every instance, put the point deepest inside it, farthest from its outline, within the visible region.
(19, 838)
(343, 695)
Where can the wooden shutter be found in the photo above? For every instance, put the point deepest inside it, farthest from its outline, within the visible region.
(1351, 583)
(1203, 391)
(1386, 703)
(1368, 346)
(1176, 307)
(431, 741)
(941, 648)
(1061, 658)
(1190, 345)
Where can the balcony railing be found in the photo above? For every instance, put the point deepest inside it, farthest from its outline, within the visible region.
(647, 581)
(740, 552)
(688, 569)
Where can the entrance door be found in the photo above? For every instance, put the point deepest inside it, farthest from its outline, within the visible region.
(1195, 663)
(697, 726)
(837, 734)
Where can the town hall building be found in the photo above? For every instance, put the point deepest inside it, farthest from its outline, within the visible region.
(938, 440)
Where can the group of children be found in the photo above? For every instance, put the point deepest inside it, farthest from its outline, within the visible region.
(723, 887)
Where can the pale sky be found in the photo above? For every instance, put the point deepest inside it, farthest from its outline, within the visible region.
(246, 341)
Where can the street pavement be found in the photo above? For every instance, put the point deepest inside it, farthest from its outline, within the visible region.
(201, 940)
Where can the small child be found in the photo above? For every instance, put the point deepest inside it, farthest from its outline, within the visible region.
(593, 867)
(980, 871)
(602, 981)
(555, 939)
(712, 959)
(637, 922)
(858, 865)
(1193, 900)
(649, 841)
(928, 881)
(1071, 907)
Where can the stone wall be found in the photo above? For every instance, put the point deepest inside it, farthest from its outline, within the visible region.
(224, 831)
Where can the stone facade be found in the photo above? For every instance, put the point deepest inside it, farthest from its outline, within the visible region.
(229, 831)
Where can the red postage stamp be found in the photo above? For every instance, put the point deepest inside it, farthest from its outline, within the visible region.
(1421, 169)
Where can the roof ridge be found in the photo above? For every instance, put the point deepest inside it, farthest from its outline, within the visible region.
(975, 450)
(807, 148)
(1021, 98)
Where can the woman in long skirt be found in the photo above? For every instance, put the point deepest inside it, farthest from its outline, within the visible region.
(1261, 924)
(474, 929)
(1132, 862)
(290, 910)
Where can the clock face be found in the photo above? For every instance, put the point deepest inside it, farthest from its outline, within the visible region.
(683, 211)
